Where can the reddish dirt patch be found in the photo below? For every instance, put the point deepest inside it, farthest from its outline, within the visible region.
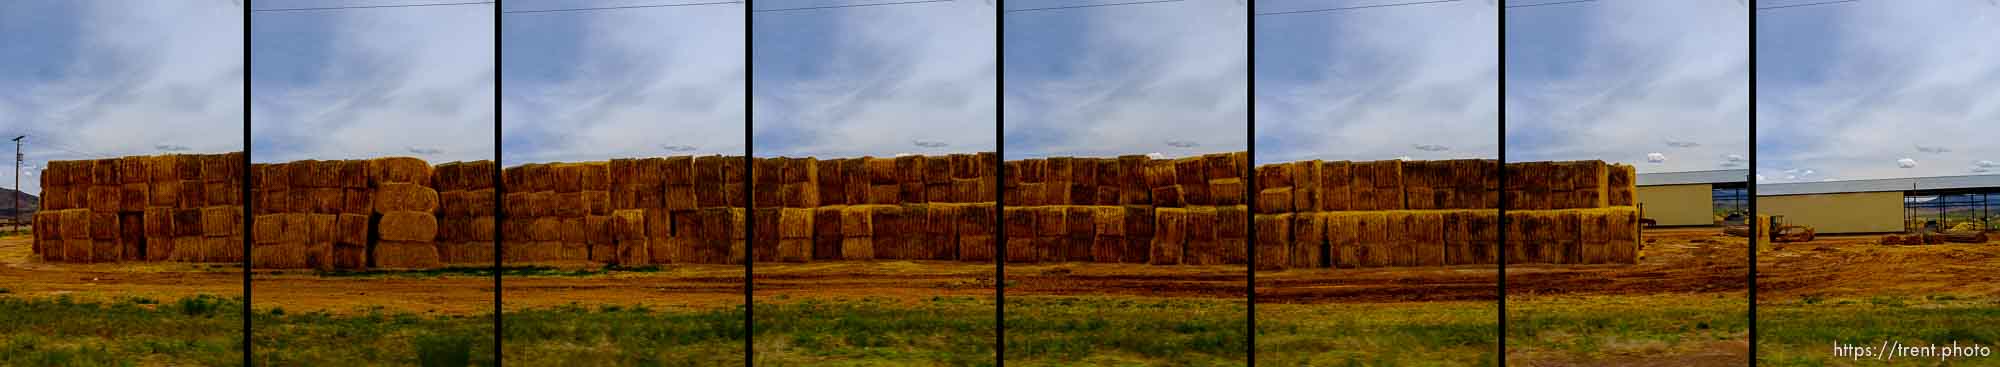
(1857, 266)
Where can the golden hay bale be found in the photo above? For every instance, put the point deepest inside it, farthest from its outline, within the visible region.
(221, 220)
(936, 193)
(224, 249)
(936, 169)
(857, 184)
(566, 177)
(394, 197)
(676, 170)
(1081, 225)
(570, 230)
(56, 197)
(764, 245)
(831, 181)
(1620, 186)
(278, 255)
(1019, 227)
(1159, 173)
(887, 194)
(806, 195)
(132, 197)
(1026, 171)
(1564, 246)
(1305, 185)
(878, 171)
(707, 172)
(406, 255)
(1425, 235)
(1227, 191)
(1622, 246)
(1029, 194)
(977, 220)
(1372, 239)
(217, 193)
(132, 236)
(399, 170)
(1170, 236)
(676, 197)
(1343, 246)
(77, 224)
(187, 222)
(1274, 200)
(1057, 193)
(826, 232)
(911, 192)
(133, 170)
(1201, 247)
(569, 205)
(1308, 247)
(1058, 169)
(971, 190)
(1169, 196)
(106, 198)
(1594, 236)
(894, 227)
(408, 226)
(856, 221)
(1191, 174)
(104, 172)
(163, 194)
(1274, 237)
(795, 223)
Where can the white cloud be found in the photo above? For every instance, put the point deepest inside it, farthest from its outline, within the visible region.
(1906, 163)
(1656, 158)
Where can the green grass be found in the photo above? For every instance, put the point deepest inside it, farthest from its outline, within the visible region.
(576, 335)
(1802, 333)
(1588, 328)
(953, 331)
(1410, 334)
(202, 331)
(373, 338)
(1051, 331)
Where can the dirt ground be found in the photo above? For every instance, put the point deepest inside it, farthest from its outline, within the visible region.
(1858, 266)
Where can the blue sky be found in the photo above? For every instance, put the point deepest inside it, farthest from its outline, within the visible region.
(876, 81)
(643, 82)
(366, 83)
(1660, 84)
(104, 78)
(1168, 78)
(1847, 91)
(1418, 81)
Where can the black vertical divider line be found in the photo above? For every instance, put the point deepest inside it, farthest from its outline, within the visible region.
(499, 194)
(1751, 189)
(1250, 149)
(749, 212)
(244, 188)
(1501, 60)
(1000, 176)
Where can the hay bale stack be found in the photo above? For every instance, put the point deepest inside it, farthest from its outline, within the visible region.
(1020, 222)
(1084, 181)
(628, 227)
(1420, 185)
(1108, 230)
(1274, 200)
(1131, 175)
(1589, 184)
(1622, 245)
(1305, 178)
(1563, 245)
(1228, 191)
(1426, 237)
(1336, 179)
(1595, 234)
(1141, 229)
(940, 224)
(1232, 226)
(893, 230)
(826, 232)
(764, 245)
(831, 181)
(1202, 247)
(708, 181)
(1621, 185)
(857, 229)
(1169, 237)
(1342, 237)
(1308, 246)
(1374, 231)
(1080, 232)
(280, 242)
(909, 177)
(1051, 233)
(1191, 175)
(1274, 238)
(975, 232)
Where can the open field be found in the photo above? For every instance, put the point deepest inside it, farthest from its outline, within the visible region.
(1685, 303)
(1848, 289)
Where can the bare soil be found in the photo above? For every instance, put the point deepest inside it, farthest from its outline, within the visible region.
(1859, 266)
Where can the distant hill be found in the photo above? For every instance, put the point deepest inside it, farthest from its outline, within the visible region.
(29, 203)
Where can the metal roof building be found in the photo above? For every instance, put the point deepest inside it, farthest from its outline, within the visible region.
(1885, 205)
(1694, 198)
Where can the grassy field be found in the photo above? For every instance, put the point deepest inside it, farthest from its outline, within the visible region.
(197, 331)
(1068, 331)
(955, 331)
(1637, 327)
(1393, 334)
(1802, 332)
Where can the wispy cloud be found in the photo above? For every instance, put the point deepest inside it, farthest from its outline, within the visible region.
(94, 79)
(374, 82)
(1122, 80)
(1375, 83)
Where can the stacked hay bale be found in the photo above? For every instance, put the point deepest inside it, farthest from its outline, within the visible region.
(141, 208)
(1130, 209)
(465, 213)
(300, 205)
(905, 208)
(787, 191)
(1579, 212)
(1380, 213)
(406, 211)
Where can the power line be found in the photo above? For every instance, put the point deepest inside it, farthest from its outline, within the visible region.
(1092, 5)
(1355, 7)
(619, 7)
(846, 6)
(368, 7)
(1807, 4)
(1547, 4)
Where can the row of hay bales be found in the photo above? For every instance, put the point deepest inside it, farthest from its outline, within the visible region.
(806, 183)
(350, 214)
(1127, 180)
(1315, 186)
(1570, 185)
(182, 207)
(682, 209)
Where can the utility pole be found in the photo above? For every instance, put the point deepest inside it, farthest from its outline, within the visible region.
(16, 195)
